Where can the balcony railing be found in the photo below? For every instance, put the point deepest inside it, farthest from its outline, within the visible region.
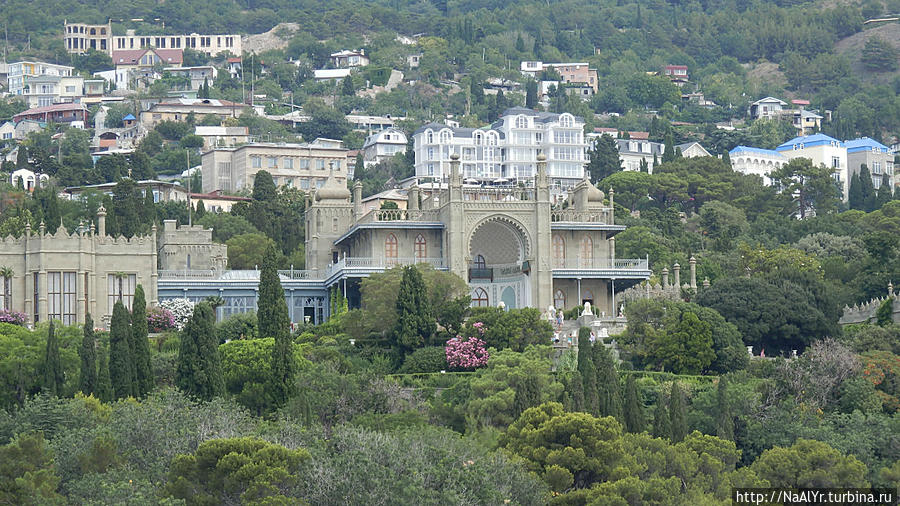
(188, 274)
(372, 263)
(377, 215)
(600, 263)
(602, 215)
(242, 274)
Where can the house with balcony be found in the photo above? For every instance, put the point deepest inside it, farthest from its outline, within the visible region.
(41, 84)
(769, 107)
(221, 136)
(570, 73)
(509, 243)
(71, 114)
(634, 151)
(179, 109)
(349, 58)
(874, 155)
(383, 145)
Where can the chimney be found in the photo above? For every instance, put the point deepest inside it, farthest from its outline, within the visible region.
(101, 221)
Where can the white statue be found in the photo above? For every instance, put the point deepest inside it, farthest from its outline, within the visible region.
(587, 310)
(604, 333)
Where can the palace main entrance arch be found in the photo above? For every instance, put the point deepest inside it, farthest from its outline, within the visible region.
(499, 248)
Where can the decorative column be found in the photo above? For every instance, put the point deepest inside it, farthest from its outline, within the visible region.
(693, 272)
(357, 200)
(677, 269)
(612, 206)
(665, 277)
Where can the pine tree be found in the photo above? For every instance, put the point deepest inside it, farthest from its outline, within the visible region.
(52, 368)
(677, 414)
(867, 189)
(415, 323)
(855, 197)
(274, 322)
(199, 367)
(633, 411)
(140, 343)
(588, 372)
(520, 43)
(531, 94)
(87, 382)
(104, 385)
(609, 391)
(121, 366)
(724, 419)
(662, 427)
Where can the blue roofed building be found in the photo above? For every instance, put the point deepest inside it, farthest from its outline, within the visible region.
(756, 161)
(874, 155)
(822, 150)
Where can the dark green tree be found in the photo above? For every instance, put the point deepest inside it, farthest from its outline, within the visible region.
(140, 343)
(884, 313)
(52, 368)
(347, 88)
(609, 391)
(669, 150)
(199, 367)
(677, 415)
(415, 323)
(520, 43)
(588, 371)
(726, 158)
(22, 158)
(274, 322)
(199, 210)
(724, 418)
(855, 196)
(867, 189)
(879, 55)
(531, 98)
(121, 357)
(603, 158)
(104, 385)
(633, 412)
(87, 382)
(662, 426)
(476, 91)
(883, 195)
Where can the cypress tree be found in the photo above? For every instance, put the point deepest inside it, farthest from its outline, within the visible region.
(274, 322)
(22, 158)
(199, 368)
(609, 392)
(200, 210)
(576, 390)
(855, 198)
(121, 367)
(867, 189)
(347, 87)
(104, 386)
(415, 325)
(669, 150)
(140, 343)
(87, 382)
(677, 414)
(726, 158)
(588, 371)
(724, 420)
(883, 195)
(53, 375)
(662, 427)
(531, 94)
(633, 411)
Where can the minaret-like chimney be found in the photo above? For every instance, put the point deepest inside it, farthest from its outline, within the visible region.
(693, 272)
(665, 277)
(677, 269)
(101, 221)
(357, 200)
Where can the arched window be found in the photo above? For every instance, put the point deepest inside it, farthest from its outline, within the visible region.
(446, 136)
(421, 247)
(559, 299)
(429, 136)
(587, 252)
(478, 138)
(480, 298)
(587, 296)
(559, 251)
(521, 122)
(390, 249)
(478, 262)
(566, 120)
(492, 138)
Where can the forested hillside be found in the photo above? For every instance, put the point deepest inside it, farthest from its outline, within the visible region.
(725, 44)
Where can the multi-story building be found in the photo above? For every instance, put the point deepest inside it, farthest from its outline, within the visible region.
(194, 77)
(179, 109)
(40, 84)
(822, 150)
(507, 150)
(756, 161)
(634, 151)
(874, 155)
(222, 137)
(162, 191)
(72, 114)
(570, 73)
(303, 166)
(80, 37)
(348, 58)
(768, 107)
(383, 145)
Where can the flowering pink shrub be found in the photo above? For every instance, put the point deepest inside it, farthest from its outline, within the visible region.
(466, 354)
(159, 319)
(14, 317)
(479, 326)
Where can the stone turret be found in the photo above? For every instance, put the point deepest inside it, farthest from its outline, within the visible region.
(677, 269)
(412, 198)
(693, 262)
(357, 200)
(665, 276)
(101, 221)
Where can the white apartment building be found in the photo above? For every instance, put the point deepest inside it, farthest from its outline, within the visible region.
(633, 151)
(383, 145)
(756, 161)
(822, 150)
(303, 166)
(507, 150)
(41, 84)
(80, 37)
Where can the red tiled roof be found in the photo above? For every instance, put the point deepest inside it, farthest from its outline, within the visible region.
(107, 143)
(234, 60)
(639, 135)
(170, 55)
(798, 101)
